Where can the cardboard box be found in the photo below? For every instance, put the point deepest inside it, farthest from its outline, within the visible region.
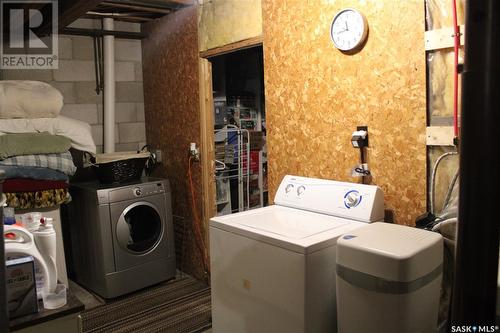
(21, 289)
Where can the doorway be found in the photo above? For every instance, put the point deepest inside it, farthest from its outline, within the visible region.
(239, 131)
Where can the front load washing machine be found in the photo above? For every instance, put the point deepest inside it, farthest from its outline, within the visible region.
(121, 236)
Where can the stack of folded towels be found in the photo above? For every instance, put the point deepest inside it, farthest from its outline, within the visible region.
(35, 143)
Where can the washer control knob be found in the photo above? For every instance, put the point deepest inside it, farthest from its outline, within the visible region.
(288, 188)
(137, 192)
(352, 199)
(301, 190)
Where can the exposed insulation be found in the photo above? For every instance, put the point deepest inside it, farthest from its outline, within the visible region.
(316, 96)
(171, 101)
(441, 65)
(223, 22)
(439, 13)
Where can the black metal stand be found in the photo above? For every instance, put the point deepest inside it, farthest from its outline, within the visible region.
(474, 290)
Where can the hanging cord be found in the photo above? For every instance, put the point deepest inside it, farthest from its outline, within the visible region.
(433, 178)
(200, 243)
(456, 46)
(361, 170)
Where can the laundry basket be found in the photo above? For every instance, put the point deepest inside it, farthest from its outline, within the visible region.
(120, 167)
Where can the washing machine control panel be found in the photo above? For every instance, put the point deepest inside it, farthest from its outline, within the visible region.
(149, 189)
(348, 200)
(133, 191)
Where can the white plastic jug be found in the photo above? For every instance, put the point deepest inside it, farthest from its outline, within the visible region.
(19, 242)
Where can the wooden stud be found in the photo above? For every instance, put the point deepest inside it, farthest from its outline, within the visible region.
(207, 142)
(439, 135)
(138, 8)
(442, 38)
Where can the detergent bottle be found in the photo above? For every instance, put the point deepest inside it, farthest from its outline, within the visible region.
(19, 242)
(45, 240)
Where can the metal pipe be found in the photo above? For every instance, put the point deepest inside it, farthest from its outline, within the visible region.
(475, 284)
(109, 88)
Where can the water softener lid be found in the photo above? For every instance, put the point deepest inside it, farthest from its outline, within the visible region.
(390, 251)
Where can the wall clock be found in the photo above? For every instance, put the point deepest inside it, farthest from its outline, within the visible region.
(349, 30)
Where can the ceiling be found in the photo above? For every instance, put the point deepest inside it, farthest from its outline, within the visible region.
(139, 11)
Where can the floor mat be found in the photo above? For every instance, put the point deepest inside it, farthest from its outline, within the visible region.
(181, 305)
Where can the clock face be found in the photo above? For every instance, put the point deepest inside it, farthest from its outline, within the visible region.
(349, 29)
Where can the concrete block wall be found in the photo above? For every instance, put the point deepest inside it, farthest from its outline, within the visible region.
(75, 78)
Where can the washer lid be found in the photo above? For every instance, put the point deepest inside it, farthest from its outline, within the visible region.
(293, 229)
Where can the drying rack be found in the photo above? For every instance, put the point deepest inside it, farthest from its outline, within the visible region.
(232, 164)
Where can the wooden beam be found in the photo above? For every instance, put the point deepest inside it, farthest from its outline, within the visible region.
(442, 38)
(147, 9)
(440, 136)
(97, 32)
(71, 10)
(118, 16)
(241, 45)
(165, 4)
(207, 142)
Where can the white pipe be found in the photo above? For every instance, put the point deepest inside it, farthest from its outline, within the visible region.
(109, 88)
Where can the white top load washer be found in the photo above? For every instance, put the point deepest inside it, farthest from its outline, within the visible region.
(273, 268)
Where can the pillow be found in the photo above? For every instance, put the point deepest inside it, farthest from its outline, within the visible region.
(29, 99)
(77, 131)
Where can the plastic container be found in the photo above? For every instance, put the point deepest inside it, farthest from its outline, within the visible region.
(9, 217)
(388, 279)
(31, 221)
(19, 242)
(56, 299)
(112, 168)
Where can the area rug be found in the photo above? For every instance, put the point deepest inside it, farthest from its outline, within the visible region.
(181, 305)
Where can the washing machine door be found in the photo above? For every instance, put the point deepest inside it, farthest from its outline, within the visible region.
(139, 228)
(139, 231)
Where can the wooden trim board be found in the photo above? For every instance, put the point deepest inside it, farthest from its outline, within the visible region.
(244, 44)
(442, 38)
(207, 143)
(439, 135)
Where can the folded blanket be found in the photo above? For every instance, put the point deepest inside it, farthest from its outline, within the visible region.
(77, 131)
(32, 143)
(29, 99)
(60, 161)
(32, 185)
(37, 199)
(32, 172)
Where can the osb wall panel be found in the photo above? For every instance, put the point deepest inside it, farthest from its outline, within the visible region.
(171, 101)
(316, 96)
(224, 22)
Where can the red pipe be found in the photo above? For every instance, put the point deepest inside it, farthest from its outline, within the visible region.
(455, 71)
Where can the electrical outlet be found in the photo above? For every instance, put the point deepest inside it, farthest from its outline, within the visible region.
(194, 151)
(158, 155)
